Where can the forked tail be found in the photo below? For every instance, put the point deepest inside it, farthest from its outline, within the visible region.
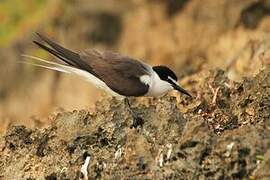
(69, 57)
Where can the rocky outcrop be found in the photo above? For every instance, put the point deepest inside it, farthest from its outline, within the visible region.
(223, 133)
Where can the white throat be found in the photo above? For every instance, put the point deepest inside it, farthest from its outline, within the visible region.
(157, 87)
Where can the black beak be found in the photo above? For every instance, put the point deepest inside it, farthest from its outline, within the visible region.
(178, 88)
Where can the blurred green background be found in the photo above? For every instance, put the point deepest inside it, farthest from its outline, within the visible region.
(16, 16)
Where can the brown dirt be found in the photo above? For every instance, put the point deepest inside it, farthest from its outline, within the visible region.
(179, 139)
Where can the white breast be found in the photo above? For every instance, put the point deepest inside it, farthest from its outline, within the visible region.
(157, 87)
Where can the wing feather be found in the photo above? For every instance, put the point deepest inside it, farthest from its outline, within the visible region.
(120, 73)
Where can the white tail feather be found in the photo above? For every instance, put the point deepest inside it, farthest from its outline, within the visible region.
(49, 64)
(40, 59)
(47, 67)
(68, 69)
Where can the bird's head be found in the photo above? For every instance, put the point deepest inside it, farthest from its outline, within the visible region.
(166, 74)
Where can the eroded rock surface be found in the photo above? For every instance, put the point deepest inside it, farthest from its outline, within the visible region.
(222, 133)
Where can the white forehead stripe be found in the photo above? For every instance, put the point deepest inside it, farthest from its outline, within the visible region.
(172, 80)
(146, 79)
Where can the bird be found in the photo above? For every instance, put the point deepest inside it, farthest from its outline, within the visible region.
(119, 75)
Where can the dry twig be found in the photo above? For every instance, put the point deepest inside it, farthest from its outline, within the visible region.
(215, 93)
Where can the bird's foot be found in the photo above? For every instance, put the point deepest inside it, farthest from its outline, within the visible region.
(137, 120)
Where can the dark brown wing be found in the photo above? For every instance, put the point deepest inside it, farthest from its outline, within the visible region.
(120, 73)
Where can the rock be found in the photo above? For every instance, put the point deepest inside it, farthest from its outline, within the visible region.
(203, 140)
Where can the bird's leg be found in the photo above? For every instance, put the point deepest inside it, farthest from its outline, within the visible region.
(137, 121)
(127, 103)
